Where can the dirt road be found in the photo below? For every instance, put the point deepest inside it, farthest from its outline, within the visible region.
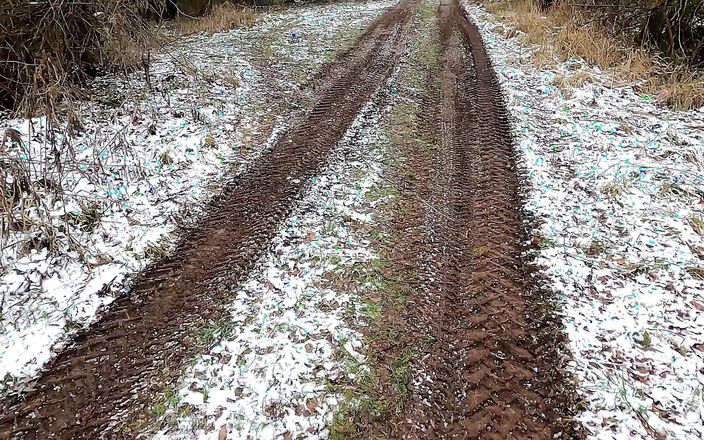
(139, 344)
(492, 367)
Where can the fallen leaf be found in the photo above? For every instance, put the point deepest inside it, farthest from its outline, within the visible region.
(312, 405)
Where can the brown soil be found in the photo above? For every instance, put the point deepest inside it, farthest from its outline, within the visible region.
(487, 352)
(102, 385)
(484, 349)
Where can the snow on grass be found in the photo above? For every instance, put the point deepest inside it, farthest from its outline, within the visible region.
(96, 206)
(617, 182)
(266, 379)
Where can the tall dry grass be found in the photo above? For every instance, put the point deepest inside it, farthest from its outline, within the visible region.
(48, 47)
(564, 32)
(221, 17)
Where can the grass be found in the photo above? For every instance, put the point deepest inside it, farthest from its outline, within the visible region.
(634, 270)
(156, 252)
(403, 116)
(215, 331)
(565, 32)
(222, 17)
(381, 388)
(697, 223)
(567, 82)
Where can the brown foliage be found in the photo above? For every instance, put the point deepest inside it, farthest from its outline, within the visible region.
(218, 18)
(674, 27)
(565, 31)
(49, 46)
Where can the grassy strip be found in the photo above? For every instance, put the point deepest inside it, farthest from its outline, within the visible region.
(379, 387)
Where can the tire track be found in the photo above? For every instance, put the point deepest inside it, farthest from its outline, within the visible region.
(101, 385)
(494, 368)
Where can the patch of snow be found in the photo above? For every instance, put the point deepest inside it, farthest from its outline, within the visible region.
(267, 380)
(617, 182)
(149, 153)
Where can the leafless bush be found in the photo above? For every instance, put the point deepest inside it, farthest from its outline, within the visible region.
(49, 46)
(611, 36)
(48, 190)
(674, 27)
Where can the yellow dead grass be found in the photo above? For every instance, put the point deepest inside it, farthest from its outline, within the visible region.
(564, 33)
(222, 17)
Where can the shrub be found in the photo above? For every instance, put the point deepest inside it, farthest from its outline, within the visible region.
(674, 27)
(49, 46)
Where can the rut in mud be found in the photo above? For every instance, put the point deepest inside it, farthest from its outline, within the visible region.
(488, 357)
(103, 382)
(488, 352)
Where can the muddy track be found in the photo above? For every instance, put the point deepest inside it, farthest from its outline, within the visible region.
(102, 383)
(493, 365)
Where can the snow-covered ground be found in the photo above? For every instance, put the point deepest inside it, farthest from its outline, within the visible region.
(267, 379)
(617, 184)
(97, 205)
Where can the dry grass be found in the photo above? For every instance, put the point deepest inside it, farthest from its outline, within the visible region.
(222, 17)
(577, 79)
(51, 47)
(680, 90)
(565, 33)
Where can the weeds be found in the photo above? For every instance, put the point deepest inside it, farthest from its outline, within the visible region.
(165, 159)
(597, 247)
(565, 32)
(220, 18)
(674, 189)
(209, 141)
(697, 223)
(645, 340)
(696, 272)
(618, 188)
(156, 252)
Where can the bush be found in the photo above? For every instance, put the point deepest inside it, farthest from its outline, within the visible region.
(674, 27)
(49, 46)
(612, 37)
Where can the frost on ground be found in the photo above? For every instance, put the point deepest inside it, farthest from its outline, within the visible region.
(266, 379)
(91, 201)
(617, 184)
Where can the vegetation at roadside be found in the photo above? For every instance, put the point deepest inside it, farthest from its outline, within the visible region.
(619, 38)
(219, 18)
(51, 48)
